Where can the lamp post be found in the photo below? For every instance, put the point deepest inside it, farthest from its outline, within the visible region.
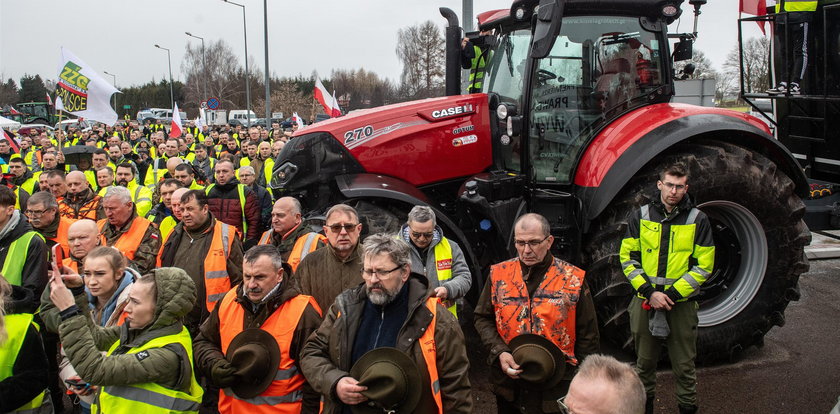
(115, 87)
(247, 76)
(267, 77)
(204, 61)
(171, 91)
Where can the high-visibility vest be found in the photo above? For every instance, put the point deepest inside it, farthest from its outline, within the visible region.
(303, 246)
(142, 198)
(68, 262)
(241, 189)
(17, 197)
(29, 185)
(797, 6)
(550, 313)
(285, 393)
(86, 211)
(91, 178)
(429, 350)
(268, 168)
(16, 257)
(16, 326)
(151, 397)
(130, 240)
(443, 266)
(166, 226)
(216, 278)
(477, 69)
(61, 233)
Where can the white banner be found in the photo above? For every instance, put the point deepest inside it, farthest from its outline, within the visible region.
(82, 92)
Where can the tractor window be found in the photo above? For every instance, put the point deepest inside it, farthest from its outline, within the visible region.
(506, 71)
(598, 68)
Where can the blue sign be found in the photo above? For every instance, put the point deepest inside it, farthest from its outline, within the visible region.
(213, 103)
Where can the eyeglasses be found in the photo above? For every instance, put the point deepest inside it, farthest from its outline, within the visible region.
(532, 243)
(336, 228)
(564, 409)
(418, 235)
(380, 274)
(671, 186)
(33, 213)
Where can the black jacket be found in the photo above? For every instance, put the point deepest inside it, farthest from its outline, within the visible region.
(34, 274)
(30, 371)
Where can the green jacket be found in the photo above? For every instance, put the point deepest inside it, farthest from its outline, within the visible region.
(168, 366)
(672, 252)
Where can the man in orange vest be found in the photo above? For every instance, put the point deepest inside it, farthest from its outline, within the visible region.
(80, 202)
(269, 301)
(83, 236)
(208, 250)
(135, 236)
(562, 312)
(292, 238)
(392, 308)
(42, 210)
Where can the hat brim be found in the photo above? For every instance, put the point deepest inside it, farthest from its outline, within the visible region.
(250, 389)
(397, 357)
(556, 353)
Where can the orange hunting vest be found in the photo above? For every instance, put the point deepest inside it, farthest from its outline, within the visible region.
(427, 345)
(61, 234)
(285, 394)
(550, 313)
(130, 240)
(304, 245)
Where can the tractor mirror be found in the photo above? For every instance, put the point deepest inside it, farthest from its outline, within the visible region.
(683, 50)
(547, 27)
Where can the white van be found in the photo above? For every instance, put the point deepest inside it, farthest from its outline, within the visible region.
(242, 116)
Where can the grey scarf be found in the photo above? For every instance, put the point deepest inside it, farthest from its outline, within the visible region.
(11, 224)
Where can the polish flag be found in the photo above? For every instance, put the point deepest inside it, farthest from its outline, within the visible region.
(326, 100)
(298, 120)
(176, 128)
(49, 99)
(12, 140)
(755, 8)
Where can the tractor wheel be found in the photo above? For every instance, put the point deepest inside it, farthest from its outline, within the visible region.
(760, 238)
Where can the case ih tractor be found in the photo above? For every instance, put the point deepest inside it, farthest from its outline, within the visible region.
(574, 124)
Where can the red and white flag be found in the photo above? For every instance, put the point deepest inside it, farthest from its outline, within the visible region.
(755, 8)
(49, 99)
(176, 128)
(14, 111)
(326, 100)
(12, 140)
(298, 120)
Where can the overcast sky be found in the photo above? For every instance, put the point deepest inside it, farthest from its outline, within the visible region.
(118, 36)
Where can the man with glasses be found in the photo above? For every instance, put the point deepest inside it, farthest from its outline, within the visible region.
(436, 257)
(539, 294)
(604, 385)
(666, 254)
(392, 308)
(42, 210)
(288, 233)
(325, 273)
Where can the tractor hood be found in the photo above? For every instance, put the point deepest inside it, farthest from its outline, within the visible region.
(419, 142)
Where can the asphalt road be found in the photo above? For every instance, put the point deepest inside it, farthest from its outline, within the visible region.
(796, 371)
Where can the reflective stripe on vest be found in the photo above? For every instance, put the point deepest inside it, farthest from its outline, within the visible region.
(240, 188)
(797, 5)
(429, 349)
(303, 246)
(443, 266)
(285, 393)
(550, 313)
(216, 278)
(16, 326)
(151, 397)
(131, 239)
(266, 237)
(16, 257)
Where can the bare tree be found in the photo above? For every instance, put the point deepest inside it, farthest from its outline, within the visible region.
(225, 76)
(286, 97)
(361, 89)
(703, 68)
(756, 64)
(421, 50)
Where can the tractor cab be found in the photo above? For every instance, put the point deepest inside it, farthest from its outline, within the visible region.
(597, 68)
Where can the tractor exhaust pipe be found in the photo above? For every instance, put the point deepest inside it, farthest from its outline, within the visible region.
(453, 52)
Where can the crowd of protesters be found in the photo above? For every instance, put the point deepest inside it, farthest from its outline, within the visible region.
(168, 277)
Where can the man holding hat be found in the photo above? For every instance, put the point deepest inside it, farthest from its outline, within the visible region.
(386, 346)
(537, 319)
(249, 345)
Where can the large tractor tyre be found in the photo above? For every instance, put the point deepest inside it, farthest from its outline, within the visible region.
(759, 236)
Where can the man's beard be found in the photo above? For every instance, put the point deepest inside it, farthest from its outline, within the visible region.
(383, 296)
(123, 183)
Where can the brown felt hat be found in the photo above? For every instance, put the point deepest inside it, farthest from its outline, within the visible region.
(255, 355)
(542, 363)
(392, 379)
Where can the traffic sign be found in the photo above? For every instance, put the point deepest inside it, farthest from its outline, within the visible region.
(213, 103)
(203, 105)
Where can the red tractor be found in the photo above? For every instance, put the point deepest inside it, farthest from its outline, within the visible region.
(574, 123)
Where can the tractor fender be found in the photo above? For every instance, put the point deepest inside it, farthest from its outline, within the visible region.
(365, 185)
(626, 146)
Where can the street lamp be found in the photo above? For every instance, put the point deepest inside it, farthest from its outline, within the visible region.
(115, 87)
(247, 77)
(171, 91)
(267, 82)
(204, 59)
